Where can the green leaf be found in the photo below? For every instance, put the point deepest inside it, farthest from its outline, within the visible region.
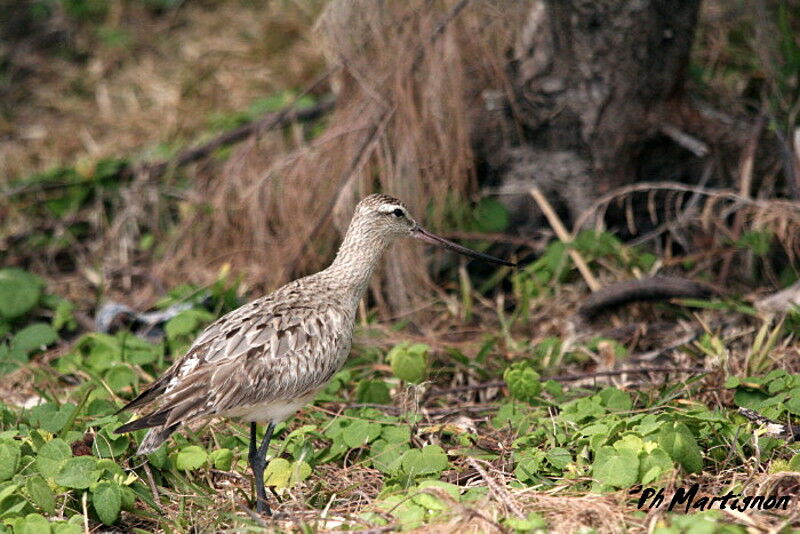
(67, 528)
(222, 459)
(190, 457)
(409, 362)
(409, 514)
(109, 445)
(653, 465)
(12, 503)
(282, 474)
(632, 442)
(120, 377)
(794, 463)
(732, 382)
(373, 392)
(523, 382)
(677, 440)
(361, 432)
(52, 456)
(428, 460)
(158, 458)
(41, 494)
(50, 417)
(618, 468)
(79, 473)
(63, 315)
(32, 524)
(793, 404)
(138, 351)
(34, 337)
(107, 501)
(387, 456)
(616, 400)
(491, 216)
(533, 522)
(186, 322)
(99, 350)
(9, 460)
(19, 292)
(396, 434)
(110, 466)
(529, 463)
(558, 457)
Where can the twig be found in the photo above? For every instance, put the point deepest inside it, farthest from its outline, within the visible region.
(232, 474)
(684, 215)
(152, 483)
(565, 237)
(500, 493)
(774, 429)
(690, 143)
(85, 507)
(267, 122)
(270, 121)
(253, 515)
(657, 288)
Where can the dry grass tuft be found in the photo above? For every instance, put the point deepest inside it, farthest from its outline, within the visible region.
(408, 77)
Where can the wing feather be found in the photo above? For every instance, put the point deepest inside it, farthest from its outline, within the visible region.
(270, 349)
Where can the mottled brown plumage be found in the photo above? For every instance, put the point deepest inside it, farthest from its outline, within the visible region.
(265, 360)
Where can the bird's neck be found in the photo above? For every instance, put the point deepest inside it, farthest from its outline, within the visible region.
(355, 261)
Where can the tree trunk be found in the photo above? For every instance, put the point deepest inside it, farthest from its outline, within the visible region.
(593, 81)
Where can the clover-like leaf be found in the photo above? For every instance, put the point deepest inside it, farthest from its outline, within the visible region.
(190, 457)
(409, 362)
(523, 382)
(107, 501)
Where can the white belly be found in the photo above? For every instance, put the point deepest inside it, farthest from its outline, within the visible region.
(269, 412)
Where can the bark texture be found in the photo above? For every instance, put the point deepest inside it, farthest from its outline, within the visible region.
(593, 81)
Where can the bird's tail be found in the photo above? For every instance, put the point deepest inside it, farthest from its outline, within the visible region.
(158, 433)
(155, 437)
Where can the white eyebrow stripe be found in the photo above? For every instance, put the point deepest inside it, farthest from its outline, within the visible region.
(389, 208)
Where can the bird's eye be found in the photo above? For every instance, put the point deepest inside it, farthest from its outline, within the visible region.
(398, 212)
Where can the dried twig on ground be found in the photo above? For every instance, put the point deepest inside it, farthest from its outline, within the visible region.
(496, 488)
(267, 122)
(657, 288)
(774, 429)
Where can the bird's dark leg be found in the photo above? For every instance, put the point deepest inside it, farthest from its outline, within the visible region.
(258, 462)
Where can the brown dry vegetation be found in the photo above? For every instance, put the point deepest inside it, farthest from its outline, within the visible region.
(408, 80)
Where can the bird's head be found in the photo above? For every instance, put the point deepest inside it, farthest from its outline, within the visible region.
(387, 218)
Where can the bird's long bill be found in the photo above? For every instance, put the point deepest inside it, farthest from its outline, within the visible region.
(423, 234)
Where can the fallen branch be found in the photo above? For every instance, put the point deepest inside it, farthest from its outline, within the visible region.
(269, 121)
(774, 429)
(496, 488)
(657, 288)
